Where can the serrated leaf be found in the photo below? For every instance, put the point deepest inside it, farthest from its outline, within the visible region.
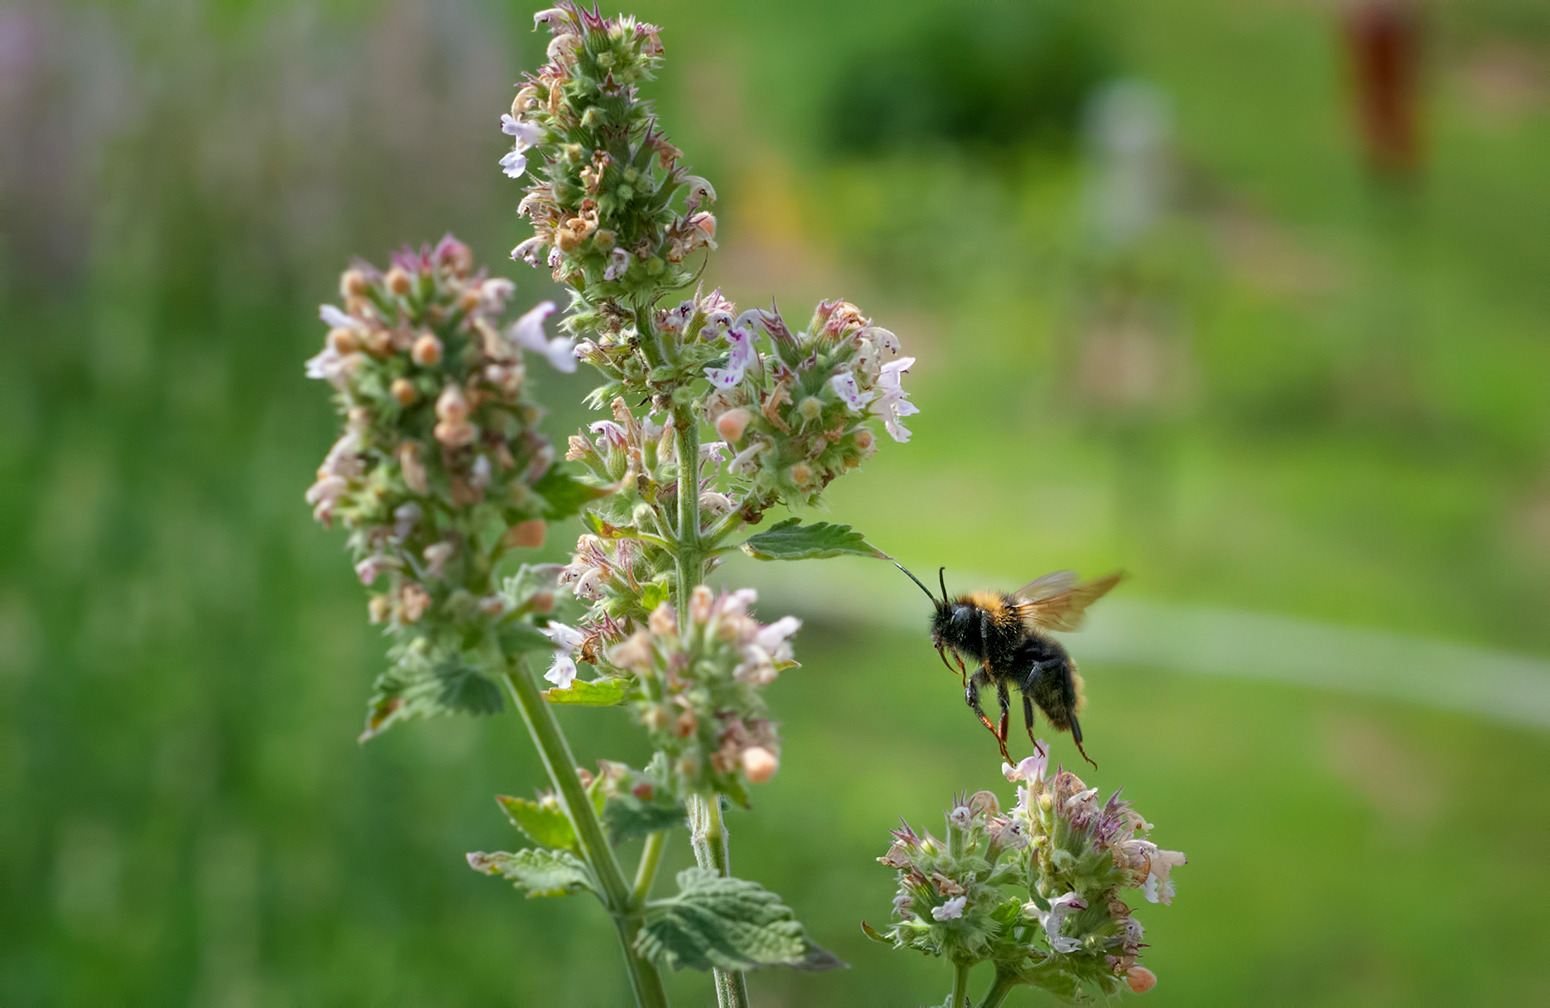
(564, 495)
(729, 923)
(626, 816)
(464, 689)
(543, 824)
(536, 872)
(791, 540)
(598, 693)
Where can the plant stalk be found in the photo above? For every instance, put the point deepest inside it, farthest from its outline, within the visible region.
(960, 995)
(617, 895)
(646, 871)
(998, 990)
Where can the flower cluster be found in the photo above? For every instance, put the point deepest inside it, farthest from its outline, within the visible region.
(1037, 890)
(704, 706)
(603, 211)
(439, 448)
(795, 415)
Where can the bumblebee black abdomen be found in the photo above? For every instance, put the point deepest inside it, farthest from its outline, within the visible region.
(1047, 675)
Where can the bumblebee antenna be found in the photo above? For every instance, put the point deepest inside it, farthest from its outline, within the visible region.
(916, 580)
(941, 576)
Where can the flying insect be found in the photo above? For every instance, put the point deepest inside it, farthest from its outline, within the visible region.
(1006, 634)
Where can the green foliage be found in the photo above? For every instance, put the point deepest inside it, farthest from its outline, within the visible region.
(544, 823)
(727, 923)
(536, 872)
(564, 495)
(791, 540)
(627, 816)
(599, 693)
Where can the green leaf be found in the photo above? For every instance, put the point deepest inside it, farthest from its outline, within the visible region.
(599, 693)
(874, 934)
(536, 872)
(464, 689)
(543, 824)
(729, 923)
(564, 495)
(791, 540)
(626, 816)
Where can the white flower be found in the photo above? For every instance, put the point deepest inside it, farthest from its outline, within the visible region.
(479, 472)
(515, 163)
(562, 672)
(528, 250)
(337, 319)
(740, 338)
(1030, 768)
(880, 337)
(713, 451)
(844, 386)
(612, 434)
(1052, 918)
(618, 263)
(950, 910)
(494, 292)
(368, 569)
(960, 816)
(528, 331)
(332, 366)
(895, 404)
(527, 133)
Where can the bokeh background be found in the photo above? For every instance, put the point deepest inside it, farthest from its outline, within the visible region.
(1251, 299)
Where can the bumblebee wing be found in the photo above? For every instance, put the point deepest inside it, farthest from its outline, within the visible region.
(1047, 586)
(1041, 608)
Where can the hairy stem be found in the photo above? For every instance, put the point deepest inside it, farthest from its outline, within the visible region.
(708, 836)
(998, 990)
(960, 995)
(617, 895)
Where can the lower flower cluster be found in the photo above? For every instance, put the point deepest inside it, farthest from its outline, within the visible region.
(701, 700)
(1035, 890)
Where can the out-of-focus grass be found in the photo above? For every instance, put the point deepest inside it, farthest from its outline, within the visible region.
(183, 659)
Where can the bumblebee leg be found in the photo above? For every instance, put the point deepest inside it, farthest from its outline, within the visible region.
(971, 695)
(1028, 720)
(1076, 736)
(1006, 715)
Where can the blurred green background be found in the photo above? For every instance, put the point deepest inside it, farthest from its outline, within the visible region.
(1179, 325)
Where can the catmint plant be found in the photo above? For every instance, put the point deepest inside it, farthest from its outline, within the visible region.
(707, 417)
(710, 416)
(1034, 891)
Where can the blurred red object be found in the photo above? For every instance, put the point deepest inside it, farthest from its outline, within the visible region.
(1383, 39)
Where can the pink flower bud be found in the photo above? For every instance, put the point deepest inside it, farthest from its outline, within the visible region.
(427, 350)
(730, 424)
(759, 764)
(1140, 979)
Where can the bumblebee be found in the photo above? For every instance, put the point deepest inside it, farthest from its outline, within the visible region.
(1006, 635)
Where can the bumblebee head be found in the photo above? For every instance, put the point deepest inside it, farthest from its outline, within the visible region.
(947, 616)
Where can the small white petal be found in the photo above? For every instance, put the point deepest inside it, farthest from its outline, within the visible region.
(563, 672)
(950, 910)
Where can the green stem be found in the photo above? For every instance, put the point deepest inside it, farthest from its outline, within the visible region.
(690, 554)
(646, 871)
(708, 837)
(618, 898)
(960, 995)
(999, 990)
